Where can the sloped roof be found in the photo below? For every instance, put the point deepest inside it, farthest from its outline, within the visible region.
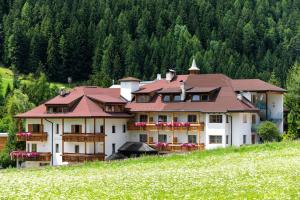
(86, 106)
(254, 85)
(136, 147)
(226, 100)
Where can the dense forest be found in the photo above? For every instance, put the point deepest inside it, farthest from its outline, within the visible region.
(104, 40)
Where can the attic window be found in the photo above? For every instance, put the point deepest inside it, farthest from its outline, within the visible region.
(57, 109)
(114, 108)
(177, 98)
(196, 97)
(142, 98)
(166, 98)
(204, 97)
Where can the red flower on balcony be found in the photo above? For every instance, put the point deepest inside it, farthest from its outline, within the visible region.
(161, 124)
(140, 124)
(186, 124)
(161, 145)
(188, 145)
(24, 134)
(23, 154)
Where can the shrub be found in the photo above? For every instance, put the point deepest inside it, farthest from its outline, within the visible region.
(268, 131)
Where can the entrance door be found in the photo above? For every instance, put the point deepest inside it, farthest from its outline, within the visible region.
(253, 139)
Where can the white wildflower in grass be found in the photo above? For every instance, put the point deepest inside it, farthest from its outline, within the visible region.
(270, 171)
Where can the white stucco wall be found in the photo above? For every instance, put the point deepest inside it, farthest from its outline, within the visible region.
(239, 128)
(127, 88)
(275, 108)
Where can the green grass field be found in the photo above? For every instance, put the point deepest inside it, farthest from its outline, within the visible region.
(7, 78)
(269, 171)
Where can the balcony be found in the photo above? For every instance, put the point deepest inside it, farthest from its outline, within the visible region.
(168, 147)
(83, 137)
(31, 156)
(27, 136)
(81, 157)
(165, 126)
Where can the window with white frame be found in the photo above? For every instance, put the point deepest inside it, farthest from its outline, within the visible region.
(244, 139)
(76, 148)
(215, 139)
(143, 138)
(162, 138)
(192, 138)
(57, 148)
(244, 118)
(227, 139)
(162, 118)
(215, 119)
(192, 118)
(124, 128)
(33, 147)
(113, 129)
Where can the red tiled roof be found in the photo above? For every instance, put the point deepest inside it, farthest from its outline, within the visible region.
(202, 89)
(226, 100)
(86, 107)
(254, 85)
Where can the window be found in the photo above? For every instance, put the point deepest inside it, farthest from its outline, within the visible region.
(101, 129)
(57, 128)
(253, 119)
(196, 97)
(113, 129)
(143, 118)
(227, 118)
(244, 139)
(33, 147)
(192, 138)
(227, 139)
(177, 98)
(192, 118)
(76, 129)
(57, 109)
(28, 147)
(162, 138)
(57, 148)
(215, 119)
(175, 119)
(244, 118)
(124, 128)
(215, 139)
(113, 148)
(35, 128)
(162, 118)
(142, 98)
(166, 98)
(109, 108)
(143, 138)
(150, 119)
(77, 148)
(204, 97)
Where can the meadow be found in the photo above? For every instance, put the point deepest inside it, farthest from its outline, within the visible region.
(267, 171)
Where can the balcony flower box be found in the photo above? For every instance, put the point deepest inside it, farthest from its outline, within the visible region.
(162, 146)
(23, 154)
(24, 134)
(140, 124)
(188, 146)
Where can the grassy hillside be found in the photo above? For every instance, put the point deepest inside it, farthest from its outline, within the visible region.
(7, 78)
(270, 171)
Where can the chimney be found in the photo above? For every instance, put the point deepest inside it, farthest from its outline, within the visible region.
(129, 85)
(182, 87)
(170, 75)
(239, 97)
(194, 69)
(62, 91)
(158, 77)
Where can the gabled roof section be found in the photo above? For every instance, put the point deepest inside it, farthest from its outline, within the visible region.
(86, 106)
(254, 85)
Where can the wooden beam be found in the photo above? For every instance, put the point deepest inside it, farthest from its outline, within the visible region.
(42, 128)
(198, 129)
(85, 133)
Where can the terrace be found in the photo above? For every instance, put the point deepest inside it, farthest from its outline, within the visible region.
(166, 126)
(29, 136)
(83, 137)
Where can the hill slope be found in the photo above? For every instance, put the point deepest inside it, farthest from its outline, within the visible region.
(269, 171)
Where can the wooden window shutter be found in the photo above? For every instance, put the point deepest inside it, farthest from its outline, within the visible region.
(175, 140)
(150, 140)
(73, 128)
(30, 127)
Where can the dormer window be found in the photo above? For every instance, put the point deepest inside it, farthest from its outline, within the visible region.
(114, 108)
(57, 109)
(166, 98)
(205, 97)
(142, 98)
(177, 98)
(196, 97)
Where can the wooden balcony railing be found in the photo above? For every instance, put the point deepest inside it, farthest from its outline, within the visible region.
(33, 137)
(83, 137)
(154, 127)
(179, 147)
(81, 157)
